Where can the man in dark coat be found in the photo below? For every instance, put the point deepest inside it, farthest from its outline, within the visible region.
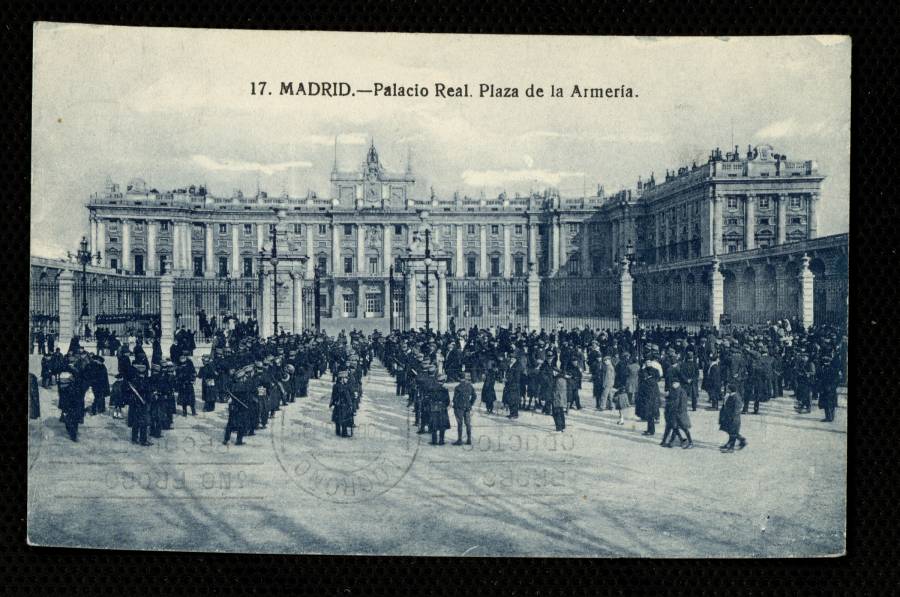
(207, 375)
(342, 405)
(97, 377)
(137, 392)
(237, 409)
(440, 420)
(185, 374)
(71, 402)
(712, 383)
(463, 399)
(690, 378)
(730, 418)
(830, 379)
(674, 399)
(512, 388)
(488, 394)
(34, 397)
(647, 401)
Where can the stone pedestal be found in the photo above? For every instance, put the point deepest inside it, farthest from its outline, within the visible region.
(626, 296)
(166, 311)
(297, 302)
(534, 299)
(806, 307)
(716, 294)
(67, 314)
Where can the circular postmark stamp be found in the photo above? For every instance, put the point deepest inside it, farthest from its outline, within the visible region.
(378, 455)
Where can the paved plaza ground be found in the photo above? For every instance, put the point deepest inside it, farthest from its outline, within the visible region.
(597, 489)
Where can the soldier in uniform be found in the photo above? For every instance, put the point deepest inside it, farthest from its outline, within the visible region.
(207, 375)
(463, 399)
(439, 403)
(166, 391)
(237, 409)
(185, 374)
(157, 400)
(342, 405)
(71, 402)
(137, 391)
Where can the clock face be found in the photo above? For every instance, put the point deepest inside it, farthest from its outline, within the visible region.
(372, 194)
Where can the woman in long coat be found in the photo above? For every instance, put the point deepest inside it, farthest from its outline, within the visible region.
(488, 395)
(647, 402)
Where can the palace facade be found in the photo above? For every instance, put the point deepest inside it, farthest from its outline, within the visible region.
(734, 202)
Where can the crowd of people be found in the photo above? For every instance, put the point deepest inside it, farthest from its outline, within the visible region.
(659, 372)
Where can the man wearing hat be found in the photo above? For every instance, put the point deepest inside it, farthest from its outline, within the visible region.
(342, 405)
(828, 384)
(207, 375)
(71, 403)
(97, 377)
(558, 398)
(512, 388)
(237, 408)
(137, 392)
(439, 403)
(730, 418)
(185, 374)
(463, 399)
(690, 377)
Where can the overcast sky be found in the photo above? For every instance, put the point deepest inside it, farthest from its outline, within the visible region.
(173, 106)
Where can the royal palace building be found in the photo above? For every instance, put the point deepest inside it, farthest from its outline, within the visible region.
(374, 218)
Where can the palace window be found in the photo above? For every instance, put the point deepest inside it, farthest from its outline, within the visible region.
(248, 228)
(223, 228)
(495, 229)
(574, 265)
(164, 226)
(114, 263)
(323, 265)
(248, 267)
(519, 265)
(113, 239)
(764, 203)
(162, 265)
(518, 229)
(731, 221)
(732, 203)
(348, 265)
(298, 228)
(495, 266)
(373, 303)
(470, 267)
(198, 267)
(223, 267)
(795, 202)
(573, 228)
(398, 229)
(139, 265)
(732, 248)
(348, 229)
(323, 229)
(373, 268)
(349, 304)
(470, 229)
(138, 226)
(764, 221)
(796, 221)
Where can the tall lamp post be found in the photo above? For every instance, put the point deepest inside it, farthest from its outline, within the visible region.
(428, 263)
(84, 257)
(317, 275)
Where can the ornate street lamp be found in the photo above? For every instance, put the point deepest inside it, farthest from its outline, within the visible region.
(84, 257)
(428, 264)
(317, 275)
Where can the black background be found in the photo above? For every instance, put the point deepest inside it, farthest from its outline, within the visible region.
(872, 551)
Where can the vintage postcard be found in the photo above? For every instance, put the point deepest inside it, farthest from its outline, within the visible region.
(409, 294)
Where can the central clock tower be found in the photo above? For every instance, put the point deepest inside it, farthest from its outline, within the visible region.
(372, 187)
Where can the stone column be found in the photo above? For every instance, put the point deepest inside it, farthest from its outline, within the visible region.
(532, 246)
(626, 296)
(807, 306)
(101, 241)
(534, 298)
(126, 246)
(750, 222)
(167, 310)
(235, 251)
(442, 324)
(152, 231)
(554, 246)
(266, 320)
(563, 251)
(93, 239)
(335, 249)
(716, 224)
(387, 256)
(813, 215)
(482, 244)
(175, 266)
(716, 294)
(585, 249)
(411, 300)
(781, 233)
(188, 251)
(310, 250)
(209, 268)
(507, 252)
(260, 237)
(360, 250)
(337, 306)
(67, 308)
(360, 300)
(297, 302)
(460, 268)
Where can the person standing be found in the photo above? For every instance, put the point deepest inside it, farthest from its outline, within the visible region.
(558, 399)
(690, 378)
(207, 375)
(488, 395)
(730, 418)
(185, 374)
(440, 421)
(463, 399)
(97, 377)
(647, 403)
(830, 379)
(138, 397)
(609, 383)
(712, 383)
(512, 388)
(342, 405)
(237, 409)
(674, 397)
(34, 397)
(71, 402)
